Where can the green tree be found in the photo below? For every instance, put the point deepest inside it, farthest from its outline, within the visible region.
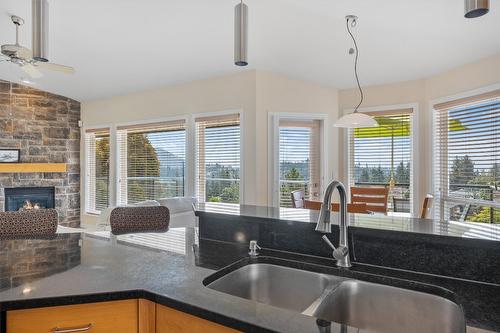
(293, 174)
(102, 172)
(462, 171)
(377, 175)
(402, 174)
(364, 176)
(142, 161)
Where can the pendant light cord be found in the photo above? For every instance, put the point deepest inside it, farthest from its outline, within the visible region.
(356, 66)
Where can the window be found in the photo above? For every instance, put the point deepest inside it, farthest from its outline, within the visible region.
(467, 159)
(151, 161)
(218, 158)
(97, 173)
(299, 159)
(382, 157)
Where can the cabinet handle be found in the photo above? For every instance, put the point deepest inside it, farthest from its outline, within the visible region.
(72, 330)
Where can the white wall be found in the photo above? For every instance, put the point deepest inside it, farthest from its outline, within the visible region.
(255, 93)
(472, 76)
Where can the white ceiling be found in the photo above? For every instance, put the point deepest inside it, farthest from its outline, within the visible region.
(122, 46)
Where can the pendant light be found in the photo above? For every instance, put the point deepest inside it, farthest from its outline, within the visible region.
(240, 34)
(40, 17)
(476, 8)
(355, 119)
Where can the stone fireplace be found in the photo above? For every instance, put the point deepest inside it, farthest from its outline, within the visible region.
(44, 127)
(18, 198)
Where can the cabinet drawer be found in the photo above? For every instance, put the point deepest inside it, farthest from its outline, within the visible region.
(172, 321)
(105, 317)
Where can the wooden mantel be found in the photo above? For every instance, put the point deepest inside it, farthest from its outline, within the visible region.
(32, 167)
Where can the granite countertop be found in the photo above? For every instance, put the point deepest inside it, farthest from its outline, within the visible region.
(168, 268)
(395, 222)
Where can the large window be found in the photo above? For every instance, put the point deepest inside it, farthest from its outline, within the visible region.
(467, 159)
(299, 159)
(382, 157)
(97, 170)
(218, 158)
(151, 161)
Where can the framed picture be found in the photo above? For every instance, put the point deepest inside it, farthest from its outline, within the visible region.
(9, 155)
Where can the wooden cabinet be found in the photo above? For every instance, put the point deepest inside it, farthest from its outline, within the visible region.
(172, 321)
(128, 316)
(105, 317)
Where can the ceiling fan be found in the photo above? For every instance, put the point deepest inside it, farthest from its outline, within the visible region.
(23, 57)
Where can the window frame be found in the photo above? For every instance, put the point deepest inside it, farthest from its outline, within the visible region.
(86, 161)
(193, 140)
(116, 153)
(273, 159)
(415, 152)
(432, 148)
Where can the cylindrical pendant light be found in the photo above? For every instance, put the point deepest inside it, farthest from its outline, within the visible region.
(240, 34)
(476, 8)
(40, 41)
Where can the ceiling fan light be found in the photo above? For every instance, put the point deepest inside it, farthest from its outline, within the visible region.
(240, 34)
(356, 120)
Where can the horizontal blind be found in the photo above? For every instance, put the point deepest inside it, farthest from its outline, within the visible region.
(218, 158)
(467, 159)
(299, 159)
(382, 156)
(97, 165)
(151, 161)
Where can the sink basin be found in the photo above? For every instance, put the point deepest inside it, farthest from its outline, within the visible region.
(280, 286)
(368, 306)
(379, 308)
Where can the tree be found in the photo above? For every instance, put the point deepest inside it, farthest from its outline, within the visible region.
(462, 171)
(293, 174)
(142, 162)
(377, 175)
(102, 172)
(402, 175)
(364, 176)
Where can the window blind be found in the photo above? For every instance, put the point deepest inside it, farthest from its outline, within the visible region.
(299, 159)
(151, 161)
(467, 159)
(382, 157)
(218, 158)
(97, 170)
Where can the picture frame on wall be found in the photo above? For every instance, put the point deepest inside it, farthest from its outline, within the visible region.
(8, 155)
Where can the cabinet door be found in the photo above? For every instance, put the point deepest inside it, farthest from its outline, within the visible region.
(105, 317)
(172, 321)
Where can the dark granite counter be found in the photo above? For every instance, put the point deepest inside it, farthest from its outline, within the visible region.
(169, 268)
(394, 222)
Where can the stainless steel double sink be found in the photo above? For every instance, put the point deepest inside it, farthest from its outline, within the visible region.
(368, 306)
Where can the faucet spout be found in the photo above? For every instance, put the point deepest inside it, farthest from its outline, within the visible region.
(324, 225)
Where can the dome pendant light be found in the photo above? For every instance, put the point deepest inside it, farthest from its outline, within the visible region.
(355, 119)
(240, 34)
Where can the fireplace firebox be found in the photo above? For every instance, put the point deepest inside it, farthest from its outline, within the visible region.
(18, 198)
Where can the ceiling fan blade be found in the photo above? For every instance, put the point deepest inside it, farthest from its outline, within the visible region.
(55, 67)
(31, 71)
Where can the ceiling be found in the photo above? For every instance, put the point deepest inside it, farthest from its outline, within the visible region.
(123, 46)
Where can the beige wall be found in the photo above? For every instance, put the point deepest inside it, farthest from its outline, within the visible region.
(460, 80)
(255, 93)
(278, 94)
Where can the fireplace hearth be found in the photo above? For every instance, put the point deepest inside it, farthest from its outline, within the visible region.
(19, 198)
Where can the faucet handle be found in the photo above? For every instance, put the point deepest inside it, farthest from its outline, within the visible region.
(340, 252)
(327, 241)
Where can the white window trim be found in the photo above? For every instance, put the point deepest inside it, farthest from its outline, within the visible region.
(192, 158)
(273, 151)
(115, 152)
(85, 159)
(432, 123)
(415, 152)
